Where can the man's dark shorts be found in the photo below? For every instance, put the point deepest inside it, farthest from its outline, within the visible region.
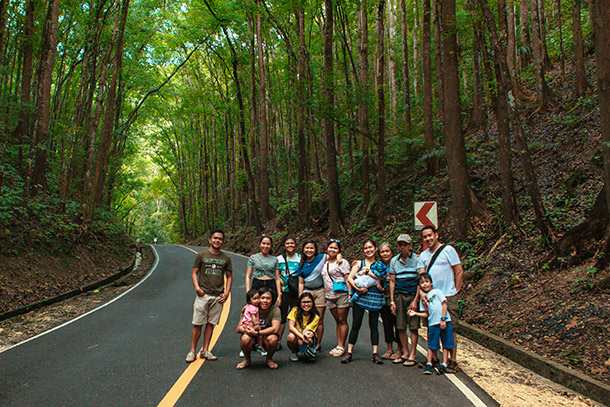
(453, 306)
(403, 321)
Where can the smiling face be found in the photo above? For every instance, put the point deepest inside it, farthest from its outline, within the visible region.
(385, 253)
(332, 250)
(425, 284)
(216, 240)
(290, 246)
(309, 250)
(430, 238)
(306, 304)
(265, 245)
(369, 250)
(265, 301)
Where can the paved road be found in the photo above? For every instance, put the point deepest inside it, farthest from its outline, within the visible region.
(131, 353)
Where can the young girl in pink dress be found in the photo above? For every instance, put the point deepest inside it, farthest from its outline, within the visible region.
(250, 314)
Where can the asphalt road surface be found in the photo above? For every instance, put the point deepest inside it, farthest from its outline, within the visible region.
(130, 352)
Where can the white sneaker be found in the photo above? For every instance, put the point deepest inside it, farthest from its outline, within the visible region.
(241, 353)
(190, 357)
(207, 355)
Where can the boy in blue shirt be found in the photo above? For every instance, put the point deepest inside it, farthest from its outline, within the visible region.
(440, 328)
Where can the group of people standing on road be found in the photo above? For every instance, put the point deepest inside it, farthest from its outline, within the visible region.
(294, 290)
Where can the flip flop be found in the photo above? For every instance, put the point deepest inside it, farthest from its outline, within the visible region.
(271, 364)
(399, 360)
(242, 365)
(409, 363)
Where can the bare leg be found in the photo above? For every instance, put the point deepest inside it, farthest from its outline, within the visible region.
(414, 339)
(207, 336)
(247, 344)
(281, 332)
(402, 335)
(340, 315)
(195, 335)
(292, 342)
(453, 352)
(320, 330)
(271, 342)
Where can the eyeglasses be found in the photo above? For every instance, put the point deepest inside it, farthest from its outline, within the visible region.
(335, 241)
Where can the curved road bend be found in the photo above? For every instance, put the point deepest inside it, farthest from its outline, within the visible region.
(130, 352)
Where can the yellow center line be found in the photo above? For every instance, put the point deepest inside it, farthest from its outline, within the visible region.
(187, 248)
(171, 398)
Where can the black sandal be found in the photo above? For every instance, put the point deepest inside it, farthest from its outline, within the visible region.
(346, 358)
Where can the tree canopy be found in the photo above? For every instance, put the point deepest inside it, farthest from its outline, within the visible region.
(177, 116)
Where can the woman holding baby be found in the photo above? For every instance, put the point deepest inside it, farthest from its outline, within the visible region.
(369, 298)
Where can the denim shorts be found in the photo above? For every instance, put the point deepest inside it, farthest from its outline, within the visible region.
(436, 335)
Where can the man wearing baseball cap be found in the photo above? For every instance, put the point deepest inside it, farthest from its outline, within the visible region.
(403, 288)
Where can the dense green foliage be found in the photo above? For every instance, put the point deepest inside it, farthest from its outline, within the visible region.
(172, 146)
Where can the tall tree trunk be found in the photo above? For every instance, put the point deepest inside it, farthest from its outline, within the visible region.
(251, 189)
(454, 141)
(463, 200)
(3, 8)
(363, 108)
(511, 52)
(392, 61)
(543, 31)
(37, 174)
(579, 58)
(107, 130)
(416, 50)
(438, 49)
(542, 221)
(542, 88)
(559, 22)
(601, 27)
(328, 91)
(303, 178)
(381, 113)
(432, 164)
(264, 136)
(503, 84)
(524, 35)
(405, 65)
(23, 123)
(479, 112)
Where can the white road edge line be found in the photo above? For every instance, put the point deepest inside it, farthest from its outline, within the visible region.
(154, 267)
(459, 384)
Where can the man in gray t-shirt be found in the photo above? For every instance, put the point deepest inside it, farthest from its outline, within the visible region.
(208, 276)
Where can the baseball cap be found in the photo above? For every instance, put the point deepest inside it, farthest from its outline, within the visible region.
(404, 238)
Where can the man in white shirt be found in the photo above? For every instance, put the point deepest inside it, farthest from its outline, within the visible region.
(447, 273)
